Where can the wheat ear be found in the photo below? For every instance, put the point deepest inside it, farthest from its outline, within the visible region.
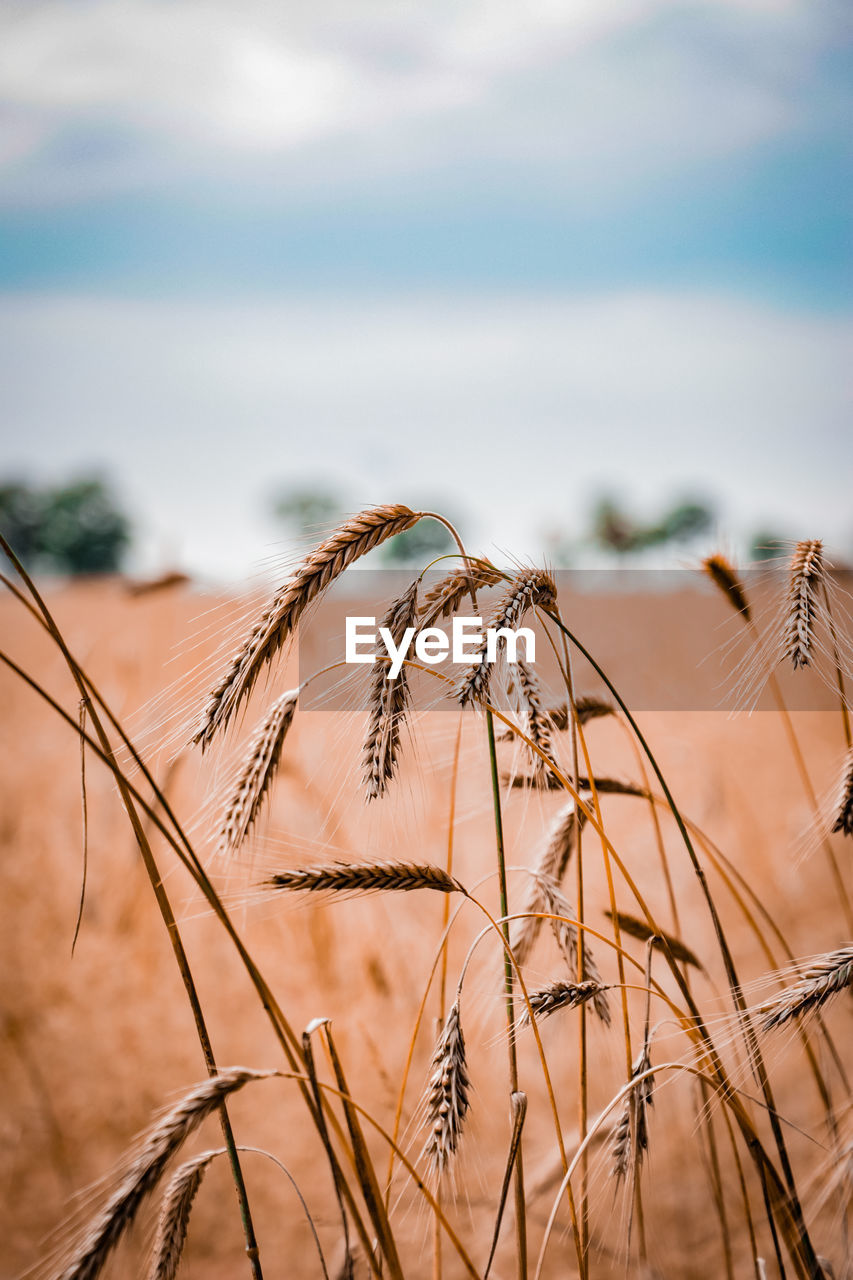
(631, 1135)
(822, 980)
(174, 1216)
(606, 786)
(528, 590)
(365, 877)
(443, 599)
(256, 776)
(388, 701)
(536, 717)
(723, 574)
(587, 707)
(553, 860)
(328, 561)
(559, 995)
(639, 929)
(147, 1165)
(806, 577)
(564, 927)
(447, 1099)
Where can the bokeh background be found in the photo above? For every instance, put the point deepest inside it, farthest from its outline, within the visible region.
(520, 260)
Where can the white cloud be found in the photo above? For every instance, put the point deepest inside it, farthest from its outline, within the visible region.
(212, 81)
(519, 406)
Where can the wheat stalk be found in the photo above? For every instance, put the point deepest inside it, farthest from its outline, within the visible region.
(353, 539)
(447, 1099)
(256, 776)
(388, 701)
(443, 599)
(528, 590)
(174, 1216)
(365, 877)
(560, 995)
(147, 1164)
(723, 574)
(640, 929)
(806, 577)
(551, 866)
(844, 804)
(822, 980)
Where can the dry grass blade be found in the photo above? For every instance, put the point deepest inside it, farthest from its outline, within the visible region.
(146, 1167)
(528, 590)
(843, 811)
(352, 540)
(723, 574)
(639, 929)
(565, 930)
(551, 867)
(174, 1216)
(587, 708)
(365, 877)
(445, 597)
(807, 577)
(388, 701)
(560, 995)
(631, 1135)
(536, 718)
(606, 786)
(256, 777)
(822, 980)
(447, 1101)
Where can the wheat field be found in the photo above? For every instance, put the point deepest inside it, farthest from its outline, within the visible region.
(341, 863)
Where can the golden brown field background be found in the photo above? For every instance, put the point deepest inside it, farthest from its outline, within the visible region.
(93, 1046)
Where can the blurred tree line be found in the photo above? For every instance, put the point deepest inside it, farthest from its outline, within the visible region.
(75, 528)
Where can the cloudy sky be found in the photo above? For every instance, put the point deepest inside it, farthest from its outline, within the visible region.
(513, 254)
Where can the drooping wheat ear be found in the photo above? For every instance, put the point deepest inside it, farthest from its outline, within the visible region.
(639, 929)
(822, 980)
(587, 707)
(174, 1216)
(606, 786)
(388, 701)
(551, 866)
(147, 1165)
(559, 995)
(807, 576)
(528, 590)
(724, 575)
(328, 561)
(365, 877)
(256, 776)
(538, 725)
(564, 927)
(445, 597)
(447, 1099)
(844, 804)
(631, 1135)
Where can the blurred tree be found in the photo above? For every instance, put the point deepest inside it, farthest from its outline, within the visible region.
(765, 545)
(420, 544)
(615, 530)
(75, 528)
(306, 508)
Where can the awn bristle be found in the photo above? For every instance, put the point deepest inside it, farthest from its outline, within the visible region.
(807, 576)
(365, 877)
(445, 597)
(631, 1136)
(150, 1157)
(564, 927)
(723, 574)
(538, 724)
(388, 701)
(531, 589)
(447, 1100)
(822, 980)
(639, 929)
(256, 777)
(587, 708)
(559, 995)
(353, 539)
(174, 1216)
(551, 867)
(844, 805)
